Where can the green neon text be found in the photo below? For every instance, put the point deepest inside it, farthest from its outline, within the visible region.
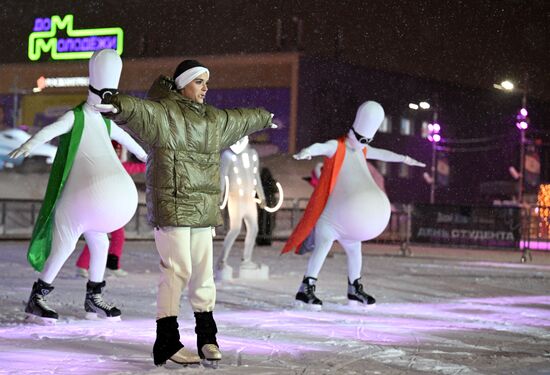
(79, 44)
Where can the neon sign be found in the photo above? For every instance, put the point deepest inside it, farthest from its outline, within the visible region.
(79, 44)
(43, 82)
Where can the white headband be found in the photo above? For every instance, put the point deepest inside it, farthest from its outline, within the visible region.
(190, 74)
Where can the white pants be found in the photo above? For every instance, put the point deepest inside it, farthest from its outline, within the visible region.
(325, 235)
(65, 235)
(185, 261)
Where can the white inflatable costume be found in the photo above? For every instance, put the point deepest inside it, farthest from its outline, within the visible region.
(98, 196)
(240, 179)
(356, 209)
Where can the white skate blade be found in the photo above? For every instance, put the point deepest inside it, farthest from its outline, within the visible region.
(184, 364)
(210, 363)
(307, 306)
(96, 316)
(173, 365)
(30, 318)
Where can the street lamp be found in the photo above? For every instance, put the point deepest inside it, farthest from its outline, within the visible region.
(434, 137)
(522, 123)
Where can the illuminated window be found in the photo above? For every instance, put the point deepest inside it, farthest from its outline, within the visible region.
(405, 127)
(404, 171)
(386, 125)
(383, 168)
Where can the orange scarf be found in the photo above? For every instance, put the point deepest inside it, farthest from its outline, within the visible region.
(319, 198)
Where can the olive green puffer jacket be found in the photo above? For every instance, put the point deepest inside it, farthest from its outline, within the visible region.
(184, 140)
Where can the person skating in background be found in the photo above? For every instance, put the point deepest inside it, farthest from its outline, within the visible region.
(185, 138)
(88, 193)
(346, 206)
(266, 220)
(117, 237)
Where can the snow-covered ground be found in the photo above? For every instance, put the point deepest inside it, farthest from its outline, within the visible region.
(457, 315)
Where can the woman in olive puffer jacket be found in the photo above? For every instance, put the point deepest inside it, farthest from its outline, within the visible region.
(184, 138)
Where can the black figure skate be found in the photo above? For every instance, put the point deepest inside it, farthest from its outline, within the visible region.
(37, 310)
(95, 306)
(357, 296)
(306, 295)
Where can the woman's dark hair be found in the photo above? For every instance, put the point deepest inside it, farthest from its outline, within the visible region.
(186, 65)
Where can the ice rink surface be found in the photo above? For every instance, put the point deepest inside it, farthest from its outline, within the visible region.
(469, 313)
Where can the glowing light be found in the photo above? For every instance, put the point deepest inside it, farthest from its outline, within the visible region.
(279, 204)
(246, 161)
(522, 121)
(424, 105)
(523, 112)
(522, 125)
(235, 170)
(507, 85)
(239, 181)
(43, 82)
(433, 130)
(413, 106)
(79, 44)
(543, 203)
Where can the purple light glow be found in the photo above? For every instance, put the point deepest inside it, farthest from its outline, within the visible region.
(535, 245)
(522, 125)
(436, 138)
(92, 43)
(436, 128)
(523, 112)
(97, 347)
(501, 265)
(42, 24)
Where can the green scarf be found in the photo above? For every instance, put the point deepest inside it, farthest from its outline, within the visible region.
(41, 241)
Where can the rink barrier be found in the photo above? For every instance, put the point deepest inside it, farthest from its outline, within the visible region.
(520, 228)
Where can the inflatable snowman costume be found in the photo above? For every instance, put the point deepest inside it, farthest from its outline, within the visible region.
(89, 192)
(347, 205)
(240, 179)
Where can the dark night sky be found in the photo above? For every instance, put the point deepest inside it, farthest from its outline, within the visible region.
(471, 42)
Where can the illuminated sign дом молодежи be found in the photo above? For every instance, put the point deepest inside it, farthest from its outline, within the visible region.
(78, 44)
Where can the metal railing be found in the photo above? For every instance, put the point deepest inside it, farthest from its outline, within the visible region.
(18, 216)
